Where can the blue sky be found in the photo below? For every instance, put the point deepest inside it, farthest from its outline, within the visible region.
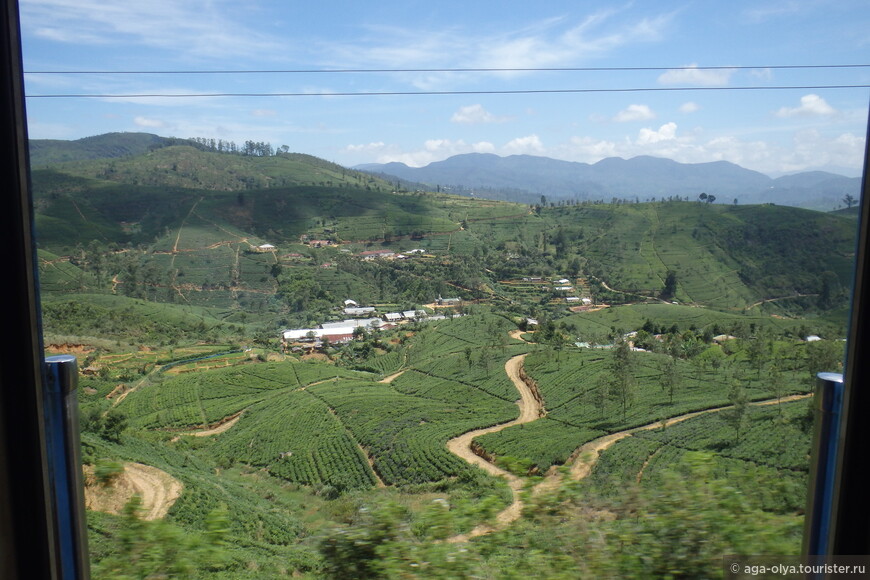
(774, 131)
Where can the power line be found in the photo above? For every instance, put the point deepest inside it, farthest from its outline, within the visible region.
(443, 70)
(418, 93)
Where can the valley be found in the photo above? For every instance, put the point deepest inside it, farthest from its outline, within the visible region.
(573, 373)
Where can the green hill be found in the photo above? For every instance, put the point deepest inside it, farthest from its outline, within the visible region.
(110, 145)
(189, 166)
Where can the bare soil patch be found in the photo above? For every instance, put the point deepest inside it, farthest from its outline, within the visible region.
(158, 491)
(67, 348)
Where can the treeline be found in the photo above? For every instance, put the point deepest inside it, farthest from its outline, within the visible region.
(250, 148)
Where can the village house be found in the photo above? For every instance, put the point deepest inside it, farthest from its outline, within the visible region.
(375, 254)
(354, 323)
(447, 301)
(359, 310)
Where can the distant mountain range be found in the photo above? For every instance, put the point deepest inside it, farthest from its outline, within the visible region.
(527, 178)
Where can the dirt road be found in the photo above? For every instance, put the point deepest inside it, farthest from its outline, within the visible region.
(391, 378)
(224, 425)
(584, 458)
(530, 410)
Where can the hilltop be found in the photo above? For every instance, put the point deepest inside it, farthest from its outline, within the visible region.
(109, 145)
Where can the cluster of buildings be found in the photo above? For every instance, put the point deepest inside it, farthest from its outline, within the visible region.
(390, 254)
(366, 255)
(564, 287)
(365, 317)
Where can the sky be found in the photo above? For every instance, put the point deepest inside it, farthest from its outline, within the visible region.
(423, 81)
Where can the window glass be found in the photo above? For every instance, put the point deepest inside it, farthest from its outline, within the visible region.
(445, 291)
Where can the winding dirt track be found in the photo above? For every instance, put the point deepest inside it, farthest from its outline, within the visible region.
(530, 410)
(581, 461)
(219, 428)
(585, 457)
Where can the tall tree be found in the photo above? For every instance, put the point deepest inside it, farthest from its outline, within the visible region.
(736, 415)
(669, 377)
(776, 382)
(622, 378)
(849, 200)
(670, 288)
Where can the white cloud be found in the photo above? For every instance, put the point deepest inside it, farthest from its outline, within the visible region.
(666, 132)
(475, 114)
(811, 105)
(634, 113)
(264, 113)
(764, 74)
(194, 27)
(777, 9)
(692, 75)
(689, 107)
(366, 147)
(552, 42)
(150, 123)
(591, 150)
(528, 145)
(433, 150)
(812, 149)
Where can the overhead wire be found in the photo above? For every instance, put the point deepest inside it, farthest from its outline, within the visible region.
(442, 92)
(408, 93)
(447, 70)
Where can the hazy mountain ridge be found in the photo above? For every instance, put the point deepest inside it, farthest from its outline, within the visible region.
(521, 178)
(640, 177)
